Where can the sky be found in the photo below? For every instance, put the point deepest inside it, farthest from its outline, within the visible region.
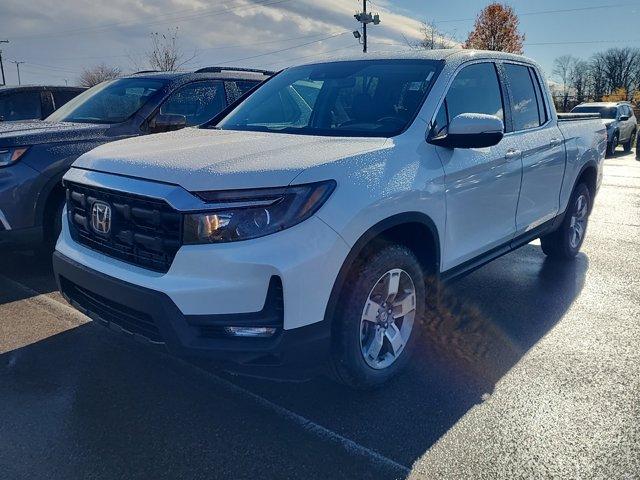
(57, 40)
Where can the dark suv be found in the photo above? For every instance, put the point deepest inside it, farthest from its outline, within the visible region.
(33, 102)
(35, 155)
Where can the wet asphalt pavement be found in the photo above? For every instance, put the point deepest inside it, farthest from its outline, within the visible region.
(529, 369)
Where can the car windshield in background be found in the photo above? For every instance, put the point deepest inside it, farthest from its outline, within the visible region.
(605, 112)
(110, 102)
(357, 98)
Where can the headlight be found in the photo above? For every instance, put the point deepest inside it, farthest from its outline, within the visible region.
(11, 155)
(244, 214)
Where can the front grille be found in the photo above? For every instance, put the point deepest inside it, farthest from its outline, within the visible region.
(143, 231)
(133, 321)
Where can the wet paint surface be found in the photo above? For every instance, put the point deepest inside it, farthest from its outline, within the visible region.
(528, 368)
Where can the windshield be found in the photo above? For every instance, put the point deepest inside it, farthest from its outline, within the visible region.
(357, 98)
(109, 102)
(605, 112)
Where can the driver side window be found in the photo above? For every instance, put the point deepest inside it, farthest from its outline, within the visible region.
(198, 102)
(475, 89)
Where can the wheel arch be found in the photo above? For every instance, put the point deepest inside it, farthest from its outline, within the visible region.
(52, 189)
(411, 229)
(588, 175)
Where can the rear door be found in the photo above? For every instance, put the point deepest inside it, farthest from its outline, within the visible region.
(626, 126)
(541, 145)
(481, 184)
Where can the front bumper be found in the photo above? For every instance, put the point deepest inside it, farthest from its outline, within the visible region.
(152, 317)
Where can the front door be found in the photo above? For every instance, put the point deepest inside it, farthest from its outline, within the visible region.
(481, 184)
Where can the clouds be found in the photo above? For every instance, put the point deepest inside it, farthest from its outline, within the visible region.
(57, 41)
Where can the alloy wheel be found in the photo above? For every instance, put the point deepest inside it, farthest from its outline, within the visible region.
(387, 319)
(578, 223)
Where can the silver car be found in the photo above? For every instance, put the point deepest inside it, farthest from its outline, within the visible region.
(622, 125)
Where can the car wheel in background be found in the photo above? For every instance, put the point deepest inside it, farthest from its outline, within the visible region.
(611, 146)
(52, 225)
(565, 242)
(628, 145)
(378, 319)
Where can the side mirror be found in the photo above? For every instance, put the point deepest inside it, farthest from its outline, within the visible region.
(624, 118)
(167, 122)
(472, 130)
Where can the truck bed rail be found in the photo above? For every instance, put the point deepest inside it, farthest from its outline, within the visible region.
(574, 117)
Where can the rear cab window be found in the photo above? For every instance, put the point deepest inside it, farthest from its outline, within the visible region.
(525, 109)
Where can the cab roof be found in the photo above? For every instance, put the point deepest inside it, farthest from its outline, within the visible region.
(450, 55)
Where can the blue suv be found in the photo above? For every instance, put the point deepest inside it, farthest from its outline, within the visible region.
(35, 155)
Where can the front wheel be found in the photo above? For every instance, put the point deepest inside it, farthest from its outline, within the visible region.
(611, 146)
(377, 322)
(565, 242)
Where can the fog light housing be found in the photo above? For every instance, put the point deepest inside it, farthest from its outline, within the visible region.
(250, 331)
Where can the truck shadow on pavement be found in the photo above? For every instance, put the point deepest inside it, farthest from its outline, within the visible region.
(30, 271)
(100, 406)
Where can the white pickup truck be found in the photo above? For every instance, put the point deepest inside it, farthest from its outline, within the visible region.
(298, 230)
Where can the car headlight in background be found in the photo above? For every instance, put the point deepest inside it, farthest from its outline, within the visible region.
(11, 155)
(243, 214)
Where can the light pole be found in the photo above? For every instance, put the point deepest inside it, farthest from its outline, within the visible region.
(1, 65)
(365, 18)
(17, 68)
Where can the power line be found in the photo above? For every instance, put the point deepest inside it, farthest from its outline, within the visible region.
(177, 19)
(281, 50)
(586, 42)
(224, 47)
(545, 12)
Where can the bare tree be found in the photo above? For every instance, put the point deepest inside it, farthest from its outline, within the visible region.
(496, 28)
(620, 68)
(597, 78)
(97, 74)
(579, 77)
(562, 68)
(433, 38)
(166, 54)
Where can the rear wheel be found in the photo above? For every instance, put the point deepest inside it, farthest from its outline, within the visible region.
(377, 324)
(628, 145)
(565, 242)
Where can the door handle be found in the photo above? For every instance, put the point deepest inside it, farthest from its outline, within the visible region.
(511, 154)
(555, 142)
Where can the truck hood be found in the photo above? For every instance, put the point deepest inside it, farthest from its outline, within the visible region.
(204, 159)
(37, 131)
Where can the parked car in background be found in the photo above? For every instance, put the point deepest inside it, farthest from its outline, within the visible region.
(621, 122)
(302, 226)
(30, 102)
(35, 155)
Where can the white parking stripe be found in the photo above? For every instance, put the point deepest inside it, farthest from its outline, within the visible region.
(310, 426)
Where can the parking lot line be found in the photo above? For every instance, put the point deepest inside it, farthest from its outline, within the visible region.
(308, 425)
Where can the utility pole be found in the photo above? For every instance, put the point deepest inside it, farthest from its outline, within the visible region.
(17, 68)
(366, 18)
(1, 65)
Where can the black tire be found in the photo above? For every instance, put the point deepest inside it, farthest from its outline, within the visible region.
(347, 364)
(52, 224)
(612, 145)
(628, 145)
(558, 244)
